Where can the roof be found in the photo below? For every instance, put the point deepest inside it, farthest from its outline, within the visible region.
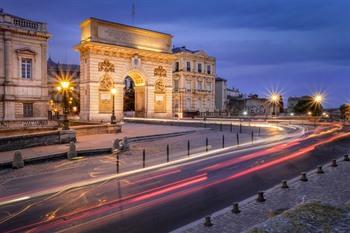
(218, 79)
(61, 66)
(125, 25)
(183, 49)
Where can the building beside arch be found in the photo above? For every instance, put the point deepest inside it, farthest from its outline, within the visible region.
(109, 53)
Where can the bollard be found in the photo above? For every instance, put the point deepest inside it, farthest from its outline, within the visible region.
(284, 184)
(17, 160)
(188, 147)
(303, 177)
(220, 125)
(240, 127)
(260, 197)
(334, 163)
(72, 153)
(144, 158)
(346, 157)
(117, 158)
(252, 135)
(235, 208)
(167, 153)
(237, 137)
(319, 170)
(231, 127)
(259, 131)
(207, 221)
(223, 141)
(206, 145)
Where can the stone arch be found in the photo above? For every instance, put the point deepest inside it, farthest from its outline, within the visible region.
(140, 92)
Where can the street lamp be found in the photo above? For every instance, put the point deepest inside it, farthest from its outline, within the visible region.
(274, 99)
(113, 118)
(65, 87)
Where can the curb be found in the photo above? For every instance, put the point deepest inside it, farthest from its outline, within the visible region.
(252, 199)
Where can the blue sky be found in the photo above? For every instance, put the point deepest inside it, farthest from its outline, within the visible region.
(296, 46)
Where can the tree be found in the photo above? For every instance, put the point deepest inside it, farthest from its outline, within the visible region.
(281, 104)
(306, 105)
(345, 111)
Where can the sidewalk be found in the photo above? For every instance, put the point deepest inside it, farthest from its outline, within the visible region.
(98, 140)
(330, 190)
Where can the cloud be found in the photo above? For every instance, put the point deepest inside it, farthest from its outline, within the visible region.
(293, 43)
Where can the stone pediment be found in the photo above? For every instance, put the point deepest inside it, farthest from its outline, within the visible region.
(26, 51)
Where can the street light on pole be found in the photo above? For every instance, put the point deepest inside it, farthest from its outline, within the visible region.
(274, 99)
(113, 118)
(317, 100)
(64, 86)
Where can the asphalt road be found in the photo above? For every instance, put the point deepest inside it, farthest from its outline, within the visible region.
(162, 200)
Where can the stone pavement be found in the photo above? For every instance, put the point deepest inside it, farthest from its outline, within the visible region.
(331, 188)
(98, 140)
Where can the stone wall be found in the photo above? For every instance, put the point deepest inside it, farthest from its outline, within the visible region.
(96, 129)
(36, 139)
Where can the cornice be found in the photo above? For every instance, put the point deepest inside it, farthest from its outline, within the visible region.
(120, 51)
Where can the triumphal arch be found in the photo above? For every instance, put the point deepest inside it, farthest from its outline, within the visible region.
(110, 52)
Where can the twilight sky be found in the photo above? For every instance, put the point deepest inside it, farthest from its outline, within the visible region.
(296, 46)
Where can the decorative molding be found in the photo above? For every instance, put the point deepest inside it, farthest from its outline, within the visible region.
(159, 86)
(26, 51)
(160, 71)
(105, 66)
(106, 82)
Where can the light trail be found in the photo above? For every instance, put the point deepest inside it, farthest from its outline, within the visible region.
(175, 189)
(108, 205)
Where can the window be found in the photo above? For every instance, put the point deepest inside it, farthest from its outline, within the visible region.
(26, 68)
(188, 85)
(176, 84)
(200, 85)
(199, 68)
(188, 104)
(208, 86)
(27, 110)
(188, 66)
(177, 66)
(209, 69)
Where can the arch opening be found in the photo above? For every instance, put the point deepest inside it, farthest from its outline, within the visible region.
(134, 95)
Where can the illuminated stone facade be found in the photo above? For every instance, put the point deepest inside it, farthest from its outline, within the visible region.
(109, 52)
(193, 82)
(23, 70)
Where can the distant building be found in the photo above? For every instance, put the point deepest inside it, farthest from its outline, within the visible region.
(293, 101)
(233, 93)
(23, 72)
(55, 72)
(220, 94)
(193, 81)
(257, 106)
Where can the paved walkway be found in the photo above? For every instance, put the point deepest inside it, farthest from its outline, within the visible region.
(98, 140)
(331, 188)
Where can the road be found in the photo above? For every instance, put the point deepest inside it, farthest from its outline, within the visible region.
(164, 199)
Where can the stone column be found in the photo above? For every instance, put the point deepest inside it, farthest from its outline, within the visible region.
(9, 104)
(8, 55)
(44, 84)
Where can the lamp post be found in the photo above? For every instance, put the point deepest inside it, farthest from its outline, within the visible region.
(65, 87)
(317, 101)
(274, 99)
(113, 118)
